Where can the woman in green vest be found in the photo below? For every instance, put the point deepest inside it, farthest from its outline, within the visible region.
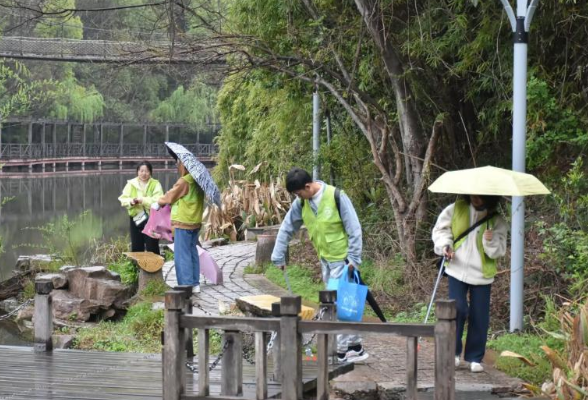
(137, 196)
(471, 267)
(187, 200)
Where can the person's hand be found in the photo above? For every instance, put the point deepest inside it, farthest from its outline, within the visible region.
(282, 267)
(448, 252)
(488, 234)
(138, 200)
(133, 202)
(155, 206)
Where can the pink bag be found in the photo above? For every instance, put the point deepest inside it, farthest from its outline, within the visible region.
(159, 224)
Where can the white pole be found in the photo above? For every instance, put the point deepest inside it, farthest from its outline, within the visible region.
(316, 128)
(519, 127)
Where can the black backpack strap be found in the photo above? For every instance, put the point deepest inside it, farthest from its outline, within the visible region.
(338, 200)
(471, 228)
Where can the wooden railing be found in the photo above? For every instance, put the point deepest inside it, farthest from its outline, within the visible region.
(105, 150)
(179, 324)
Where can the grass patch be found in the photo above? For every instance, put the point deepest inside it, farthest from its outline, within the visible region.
(28, 291)
(527, 345)
(138, 332)
(302, 280)
(155, 289)
(256, 269)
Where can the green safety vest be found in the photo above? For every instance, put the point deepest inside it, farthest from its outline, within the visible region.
(189, 209)
(149, 191)
(460, 222)
(326, 230)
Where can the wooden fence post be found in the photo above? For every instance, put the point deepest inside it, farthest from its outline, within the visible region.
(328, 301)
(232, 365)
(188, 333)
(291, 347)
(261, 339)
(326, 344)
(203, 359)
(411, 367)
(43, 316)
(174, 351)
(445, 350)
(277, 370)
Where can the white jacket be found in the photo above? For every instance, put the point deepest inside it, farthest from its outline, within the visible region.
(466, 265)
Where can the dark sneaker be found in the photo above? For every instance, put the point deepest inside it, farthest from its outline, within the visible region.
(354, 354)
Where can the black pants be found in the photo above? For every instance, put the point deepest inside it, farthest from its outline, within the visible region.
(476, 313)
(140, 241)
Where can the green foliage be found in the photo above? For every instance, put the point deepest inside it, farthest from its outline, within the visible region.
(256, 269)
(565, 242)
(553, 126)
(529, 346)
(263, 118)
(77, 102)
(155, 289)
(28, 291)
(70, 239)
(302, 279)
(15, 91)
(129, 273)
(139, 332)
(57, 23)
(194, 106)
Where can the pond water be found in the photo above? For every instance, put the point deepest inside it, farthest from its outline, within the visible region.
(34, 202)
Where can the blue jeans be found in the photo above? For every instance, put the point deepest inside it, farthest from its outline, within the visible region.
(477, 313)
(186, 256)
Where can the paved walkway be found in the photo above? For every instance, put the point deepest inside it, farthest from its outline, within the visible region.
(382, 376)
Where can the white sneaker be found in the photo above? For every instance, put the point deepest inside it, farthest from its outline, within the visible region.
(196, 289)
(457, 361)
(476, 367)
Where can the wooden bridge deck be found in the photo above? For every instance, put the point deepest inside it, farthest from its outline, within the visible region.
(83, 375)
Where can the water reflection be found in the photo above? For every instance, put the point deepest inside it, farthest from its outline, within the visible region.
(37, 201)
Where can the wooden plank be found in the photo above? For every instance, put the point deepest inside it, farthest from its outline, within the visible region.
(174, 352)
(290, 348)
(203, 359)
(83, 375)
(261, 339)
(322, 381)
(411, 368)
(232, 365)
(230, 323)
(445, 350)
(261, 306)
(338, 327)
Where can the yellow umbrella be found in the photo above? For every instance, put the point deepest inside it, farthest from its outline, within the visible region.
(488, 181)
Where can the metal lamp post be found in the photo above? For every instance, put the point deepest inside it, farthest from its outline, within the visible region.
(520, 27)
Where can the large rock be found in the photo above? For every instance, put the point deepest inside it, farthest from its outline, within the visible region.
(59, 280)
(99, 285)
(63, 341)
(67, 306)
(37, 262)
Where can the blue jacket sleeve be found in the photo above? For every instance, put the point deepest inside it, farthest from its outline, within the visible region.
(353, 229)
(291, 224)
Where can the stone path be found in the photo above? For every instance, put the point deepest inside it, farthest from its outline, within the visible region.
(383, 375)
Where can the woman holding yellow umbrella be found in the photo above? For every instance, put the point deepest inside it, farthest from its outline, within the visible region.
(471, 236)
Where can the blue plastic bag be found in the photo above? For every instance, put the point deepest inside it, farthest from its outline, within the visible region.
(351, 297)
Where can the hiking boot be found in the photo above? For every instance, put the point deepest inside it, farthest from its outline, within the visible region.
(476, 367)
(457, 361)
(354, 354)
(196, 289)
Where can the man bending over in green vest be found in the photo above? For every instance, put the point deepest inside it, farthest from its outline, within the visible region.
(471, 268)
(336, 236)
